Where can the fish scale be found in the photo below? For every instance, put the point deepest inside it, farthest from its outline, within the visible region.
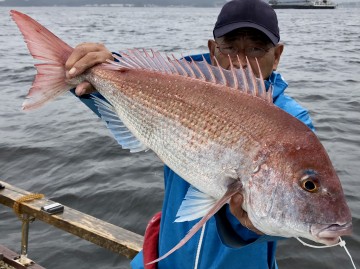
(187, 140)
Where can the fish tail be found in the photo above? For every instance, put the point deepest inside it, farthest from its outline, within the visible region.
(50, 80)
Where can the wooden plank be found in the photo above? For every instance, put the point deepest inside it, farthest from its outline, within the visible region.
(9, 256)
(99, 232)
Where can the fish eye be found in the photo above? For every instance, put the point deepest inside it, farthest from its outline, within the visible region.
(309, 182)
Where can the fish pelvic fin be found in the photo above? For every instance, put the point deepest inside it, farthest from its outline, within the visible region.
(121, 133)
(50, 80)
(197, 196)
(240, 79)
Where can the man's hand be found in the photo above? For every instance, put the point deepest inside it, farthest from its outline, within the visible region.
(236, 209)
(85, 56)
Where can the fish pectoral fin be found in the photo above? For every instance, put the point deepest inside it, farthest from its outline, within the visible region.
(121, 133)
(233, 188)
(195, 205)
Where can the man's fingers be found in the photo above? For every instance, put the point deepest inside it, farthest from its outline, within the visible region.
(84, 88)
(85, 56)
(80, 51)
(84, 63)
(88, 61)
(236, 209)
(236, 205)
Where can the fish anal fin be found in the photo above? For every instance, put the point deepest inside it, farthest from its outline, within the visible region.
(121, 133)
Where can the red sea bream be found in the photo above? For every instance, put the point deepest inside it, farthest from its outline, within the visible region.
(218, 129)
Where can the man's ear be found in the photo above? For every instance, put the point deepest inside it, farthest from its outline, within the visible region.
(212, 47)
(277, 54)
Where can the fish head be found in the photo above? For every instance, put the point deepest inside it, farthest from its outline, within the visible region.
(295, 192)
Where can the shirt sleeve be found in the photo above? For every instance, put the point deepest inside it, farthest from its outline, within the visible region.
(292, 107)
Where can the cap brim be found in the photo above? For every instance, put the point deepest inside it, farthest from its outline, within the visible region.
(219, 32)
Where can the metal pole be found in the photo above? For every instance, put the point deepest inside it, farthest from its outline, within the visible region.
(24, 238)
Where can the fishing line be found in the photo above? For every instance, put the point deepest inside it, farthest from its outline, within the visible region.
(341, 243)
(199, 246)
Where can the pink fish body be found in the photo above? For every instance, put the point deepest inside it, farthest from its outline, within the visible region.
(216, 128)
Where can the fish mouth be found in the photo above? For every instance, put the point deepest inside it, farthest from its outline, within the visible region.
(329, 234)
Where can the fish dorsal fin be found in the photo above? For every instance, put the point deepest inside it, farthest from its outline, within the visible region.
(239, 79)
(121, 133)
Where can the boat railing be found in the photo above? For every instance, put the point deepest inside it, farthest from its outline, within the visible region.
(31, 206)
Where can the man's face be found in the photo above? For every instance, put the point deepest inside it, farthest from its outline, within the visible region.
(243, 43)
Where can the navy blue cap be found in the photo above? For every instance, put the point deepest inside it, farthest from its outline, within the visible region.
(256, 14)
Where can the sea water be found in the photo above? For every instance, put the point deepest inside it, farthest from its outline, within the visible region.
(65, 152)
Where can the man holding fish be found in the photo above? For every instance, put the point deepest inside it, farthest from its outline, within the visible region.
(225, 138)
(246, 31)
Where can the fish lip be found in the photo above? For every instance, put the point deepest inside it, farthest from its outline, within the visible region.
(329, 234)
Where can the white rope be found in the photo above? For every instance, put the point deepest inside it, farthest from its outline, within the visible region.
(341, 243)
(199, 246)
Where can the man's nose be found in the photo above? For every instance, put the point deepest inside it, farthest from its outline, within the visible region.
(239, 60)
